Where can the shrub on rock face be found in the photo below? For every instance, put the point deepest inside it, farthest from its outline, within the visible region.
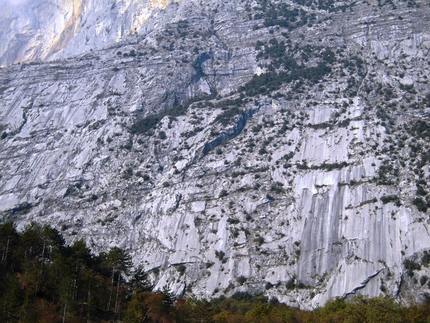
(426, 258)
(219, 254)
(241, 280)
(127, 174)
(411, 266)
(162, 135)
(419, 203)
(391, 198)
(223, 193)
(146, 124)
(181, 269)
(225, 117)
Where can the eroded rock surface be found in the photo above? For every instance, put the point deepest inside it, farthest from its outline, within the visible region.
(287, 151)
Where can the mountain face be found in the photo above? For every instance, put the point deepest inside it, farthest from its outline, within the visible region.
(264, 146)
(39, 30)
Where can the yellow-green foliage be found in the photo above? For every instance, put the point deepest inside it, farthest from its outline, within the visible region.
(44, 280)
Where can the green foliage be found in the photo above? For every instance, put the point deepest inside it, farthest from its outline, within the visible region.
(162, 135)
(323, 125)
(385, 173)
(233, 221)
(391, 198)
(268, 285)
(277, 187)
(144, 125)
(262, 151)
(44, 280)
(241, 280)
(284, 67)
(411, 266)
(324, 166)
(271, 81)
(329, 5)
(282, 16)
(259, 240)
(426, 258)
(420, 204)
(290, 284)
(181, 269)
(225, 117)
(426, 100)
(148, 123)
(421, 191)
(128, 173)
(219, 254)
(344, 123)
(223, 193)
(420, 129)
(330, 166)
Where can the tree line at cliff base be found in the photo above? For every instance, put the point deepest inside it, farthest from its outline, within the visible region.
(43, 279)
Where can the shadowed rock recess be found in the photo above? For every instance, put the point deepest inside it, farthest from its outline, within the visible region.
(280, 147)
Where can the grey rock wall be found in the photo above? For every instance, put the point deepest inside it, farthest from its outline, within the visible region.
(304, 192)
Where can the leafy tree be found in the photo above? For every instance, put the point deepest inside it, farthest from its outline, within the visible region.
(9, 239)
(119, 262)
(139, 281)
(46, 281)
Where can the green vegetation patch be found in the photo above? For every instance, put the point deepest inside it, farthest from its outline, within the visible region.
(148, 123)
(44, 280)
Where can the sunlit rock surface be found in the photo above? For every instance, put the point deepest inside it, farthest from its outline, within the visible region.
(304, 192)
(48, 29)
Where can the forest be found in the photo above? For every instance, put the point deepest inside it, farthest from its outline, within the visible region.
(45, 280)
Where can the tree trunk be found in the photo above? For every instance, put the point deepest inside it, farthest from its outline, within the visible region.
(111, 286)
(117, 294)
(4, 257)
(64, 312)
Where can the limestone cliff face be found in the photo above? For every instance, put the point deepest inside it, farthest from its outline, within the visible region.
(279, 147)
(52, 29)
